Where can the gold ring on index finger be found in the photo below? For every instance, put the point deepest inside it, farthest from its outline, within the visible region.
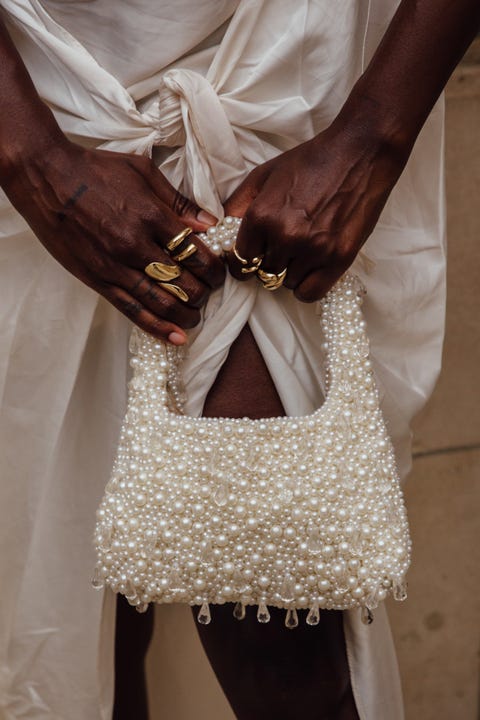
(179, 238)
(249, 266)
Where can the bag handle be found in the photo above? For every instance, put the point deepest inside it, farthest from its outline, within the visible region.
(157, 365)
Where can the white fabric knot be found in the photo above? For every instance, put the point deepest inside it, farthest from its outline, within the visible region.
(189, 115)
(170, 128)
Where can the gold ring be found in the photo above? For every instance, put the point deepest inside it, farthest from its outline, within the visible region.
(184, 254)
(161, 272)
(255, 261)
(271, 281)
(178, 239)
(174, 290)
(253, 265)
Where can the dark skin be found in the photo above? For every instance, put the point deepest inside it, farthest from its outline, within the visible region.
(310, 209)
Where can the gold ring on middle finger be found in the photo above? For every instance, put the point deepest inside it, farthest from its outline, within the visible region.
(184, 254)
(161, 272)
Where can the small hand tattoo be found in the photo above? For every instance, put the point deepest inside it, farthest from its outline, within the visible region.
(71, 201)
(131, 308)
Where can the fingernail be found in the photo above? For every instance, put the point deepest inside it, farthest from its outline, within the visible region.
(177, 339)
(205, 218)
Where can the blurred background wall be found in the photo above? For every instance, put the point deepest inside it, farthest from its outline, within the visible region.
(437, 631)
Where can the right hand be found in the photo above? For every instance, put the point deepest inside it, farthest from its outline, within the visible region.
(105, 216)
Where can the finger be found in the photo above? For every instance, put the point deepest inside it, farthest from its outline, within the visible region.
(147, 321)
(190, 213)
(299, 268)
(316, 285)
(203, 264)
(149, 252)
(276, 257)
(241, 199)
(158, 300)
(249, 248)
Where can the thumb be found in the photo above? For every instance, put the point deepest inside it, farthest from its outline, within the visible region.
(190, 213)
(186, 210)
(239, 201)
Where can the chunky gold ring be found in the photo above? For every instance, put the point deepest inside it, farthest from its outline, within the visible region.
(271, 281)
(174, 290)
(178, 239)
(161, 272)
(184, 254)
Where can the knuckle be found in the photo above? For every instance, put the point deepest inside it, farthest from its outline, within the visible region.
(128, 245)
(182, 205)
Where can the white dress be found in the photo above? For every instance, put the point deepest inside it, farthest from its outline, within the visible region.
(216, 88)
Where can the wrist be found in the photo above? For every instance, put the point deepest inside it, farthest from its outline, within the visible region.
(371, 119)
(24, 143)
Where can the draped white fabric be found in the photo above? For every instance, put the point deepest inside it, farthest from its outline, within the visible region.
(221, 87)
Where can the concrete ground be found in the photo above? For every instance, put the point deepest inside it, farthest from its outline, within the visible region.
(437, 629)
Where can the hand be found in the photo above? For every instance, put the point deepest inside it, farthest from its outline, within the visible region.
(105, 216)
(311, 209)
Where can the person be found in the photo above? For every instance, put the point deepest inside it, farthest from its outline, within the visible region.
(305, 122)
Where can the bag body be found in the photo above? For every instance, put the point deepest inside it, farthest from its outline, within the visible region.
(290, 512)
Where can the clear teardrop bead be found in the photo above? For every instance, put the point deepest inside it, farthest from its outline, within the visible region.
(97, 579)
(134, 341)
(141, 608)
(287, 591)
(291, 619)
(239, 582)
(314, 543)
(150, 543)
(400, 591)
(130, 592)
(371, 601)
(239, 611)
(207, 555)
(366, 616)
(220, 497)
(356, 543)
(175, 582)
(313, 617)
(105, 540)
(204, 617)
(263, 616)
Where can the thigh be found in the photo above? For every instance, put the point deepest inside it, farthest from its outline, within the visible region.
(269, 671)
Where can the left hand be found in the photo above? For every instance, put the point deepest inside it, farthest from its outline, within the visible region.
(311, 209)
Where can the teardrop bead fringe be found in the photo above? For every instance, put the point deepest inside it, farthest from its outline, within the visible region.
(291, 616)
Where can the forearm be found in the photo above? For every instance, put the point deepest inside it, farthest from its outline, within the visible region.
(423, 44)
(27, 126)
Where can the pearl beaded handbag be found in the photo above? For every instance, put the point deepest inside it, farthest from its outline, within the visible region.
(291, 512)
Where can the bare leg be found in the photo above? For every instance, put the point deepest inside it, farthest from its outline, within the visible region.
(132, 638)
(269, 672)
